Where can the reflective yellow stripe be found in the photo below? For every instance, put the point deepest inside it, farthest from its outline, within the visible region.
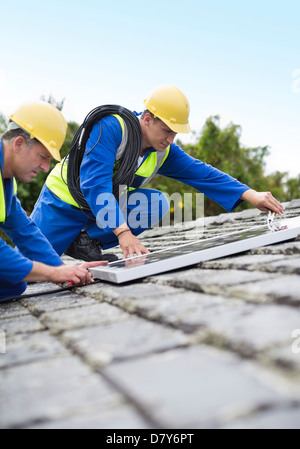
(148, 166)
(167, 154)
(56, 182)
(2, 201)
(120, 120)
(15, 187)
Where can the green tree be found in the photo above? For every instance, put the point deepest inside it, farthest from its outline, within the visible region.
(292, 188)
(222, 149)
(58, 104)
(3, 123)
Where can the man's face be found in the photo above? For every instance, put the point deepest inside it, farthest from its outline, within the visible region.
(159, 135)
(30, 160)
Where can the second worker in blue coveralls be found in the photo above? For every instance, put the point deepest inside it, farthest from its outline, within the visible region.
(62, 219)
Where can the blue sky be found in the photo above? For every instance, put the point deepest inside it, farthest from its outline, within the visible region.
(237, 59)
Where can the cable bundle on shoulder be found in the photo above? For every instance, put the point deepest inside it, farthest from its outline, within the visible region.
(127, 164)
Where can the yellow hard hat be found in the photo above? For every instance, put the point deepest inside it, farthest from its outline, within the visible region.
(43, 122)
(171, 106)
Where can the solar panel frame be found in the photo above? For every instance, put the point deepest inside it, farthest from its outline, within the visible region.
(190, 254)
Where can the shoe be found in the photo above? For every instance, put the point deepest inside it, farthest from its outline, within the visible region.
(89, 250)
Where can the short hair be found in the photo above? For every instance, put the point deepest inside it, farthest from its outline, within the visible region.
(149, 112)
(12, 134)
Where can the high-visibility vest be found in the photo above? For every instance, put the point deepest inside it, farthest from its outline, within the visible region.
(57, 180)
(2, 197)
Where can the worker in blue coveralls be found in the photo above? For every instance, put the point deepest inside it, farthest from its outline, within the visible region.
(35, 134)
(71, 210)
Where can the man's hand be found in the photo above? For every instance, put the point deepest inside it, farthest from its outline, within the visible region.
(264, 201)
(77, 275)
(131, 245)
(73, 274)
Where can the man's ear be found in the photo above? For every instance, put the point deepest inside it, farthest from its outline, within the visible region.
(147, 119)
(18, 144)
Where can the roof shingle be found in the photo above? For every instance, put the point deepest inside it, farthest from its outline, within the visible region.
(212, 346)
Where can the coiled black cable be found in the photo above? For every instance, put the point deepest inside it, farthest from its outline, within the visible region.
(127, 164)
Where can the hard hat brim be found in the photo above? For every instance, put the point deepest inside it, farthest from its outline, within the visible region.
(177, 128)
(56, 155)
(53, 151)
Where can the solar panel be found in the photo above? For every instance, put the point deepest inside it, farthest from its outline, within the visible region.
(193, 253)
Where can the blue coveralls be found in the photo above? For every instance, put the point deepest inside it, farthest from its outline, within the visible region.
(61, 222)
(15, 265)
